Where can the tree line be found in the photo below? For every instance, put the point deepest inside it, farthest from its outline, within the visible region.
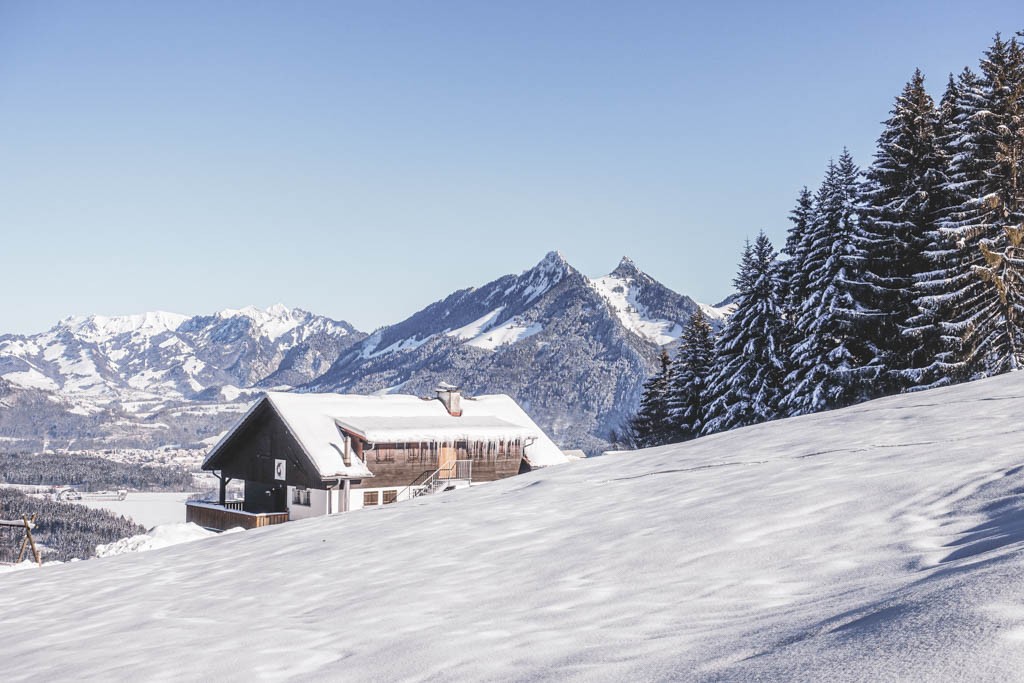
(906, 276)
(89, 473)
(63, 531)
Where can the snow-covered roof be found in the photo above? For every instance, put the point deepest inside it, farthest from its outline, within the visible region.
(314, 420)
(440, 428)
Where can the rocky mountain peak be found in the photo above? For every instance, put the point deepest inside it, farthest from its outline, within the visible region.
(552, 268)
(626, 268)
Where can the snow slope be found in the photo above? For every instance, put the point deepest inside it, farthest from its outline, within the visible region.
(880, 542)
(623, 289)
(162, 536)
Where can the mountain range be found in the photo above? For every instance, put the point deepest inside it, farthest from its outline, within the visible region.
(573, 350)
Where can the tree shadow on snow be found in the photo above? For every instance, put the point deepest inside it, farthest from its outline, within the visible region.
(1004, 525)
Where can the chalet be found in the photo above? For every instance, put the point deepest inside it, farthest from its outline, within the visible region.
(304, 455)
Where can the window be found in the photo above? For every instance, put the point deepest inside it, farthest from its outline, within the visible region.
(390, 496)
(300, 495)
(369, 498)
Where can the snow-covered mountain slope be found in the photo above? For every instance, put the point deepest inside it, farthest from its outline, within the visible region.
(155, 379)
(718, 313)
(572, 350)
(643, 305)
(138, 360)
(879, 542)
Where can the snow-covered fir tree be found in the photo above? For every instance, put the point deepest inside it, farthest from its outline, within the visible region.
(1001, 210)
(652, 424)
(901, 202)
(750, 357)
(981, 308)
(949, 284)
(793, 274)
(691, 369)
(829, 354)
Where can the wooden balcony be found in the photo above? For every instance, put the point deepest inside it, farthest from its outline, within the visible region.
(229, 516)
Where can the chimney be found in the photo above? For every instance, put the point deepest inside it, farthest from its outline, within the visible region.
(451, 398)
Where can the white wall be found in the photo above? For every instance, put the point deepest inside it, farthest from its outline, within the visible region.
(317, 504)
(318, 501)
(357, 496)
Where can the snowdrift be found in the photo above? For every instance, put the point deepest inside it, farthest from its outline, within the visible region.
(878, 542)
(162, 536)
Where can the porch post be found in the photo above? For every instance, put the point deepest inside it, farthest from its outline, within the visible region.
(223, 488)
(345, 495)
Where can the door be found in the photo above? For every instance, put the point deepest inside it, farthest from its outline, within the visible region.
(446, 462)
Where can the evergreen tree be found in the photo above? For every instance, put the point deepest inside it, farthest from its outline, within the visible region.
(1001, 210)
(651, 426)
(950, 285)
(901, 204)
(983, 222)
(829, 352)
(691, 370)
(793, 275)
(746, 384)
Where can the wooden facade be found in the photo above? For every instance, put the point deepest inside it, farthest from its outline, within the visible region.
(400, 464)
(254, 446)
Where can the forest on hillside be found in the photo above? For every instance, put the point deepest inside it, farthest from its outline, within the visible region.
(89, 473)
(64, 531)
(900, 277)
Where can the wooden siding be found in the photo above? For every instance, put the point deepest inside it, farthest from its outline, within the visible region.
(256, 444)
(399, 464)
(220, 518)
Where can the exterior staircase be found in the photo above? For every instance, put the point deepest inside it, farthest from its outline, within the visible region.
(451, 475)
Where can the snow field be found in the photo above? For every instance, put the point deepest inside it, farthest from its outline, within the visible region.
(879, 542)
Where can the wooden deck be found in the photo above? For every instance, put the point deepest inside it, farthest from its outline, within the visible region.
(219, 518)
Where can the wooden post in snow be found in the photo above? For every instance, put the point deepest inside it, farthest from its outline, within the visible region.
(27, 524)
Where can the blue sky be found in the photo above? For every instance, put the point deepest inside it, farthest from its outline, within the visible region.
(362, 159)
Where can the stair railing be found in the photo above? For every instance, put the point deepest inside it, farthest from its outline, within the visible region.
(456, 470)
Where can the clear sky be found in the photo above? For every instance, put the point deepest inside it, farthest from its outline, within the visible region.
(362, 159)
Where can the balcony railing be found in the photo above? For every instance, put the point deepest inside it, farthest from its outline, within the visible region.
(229, 516)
